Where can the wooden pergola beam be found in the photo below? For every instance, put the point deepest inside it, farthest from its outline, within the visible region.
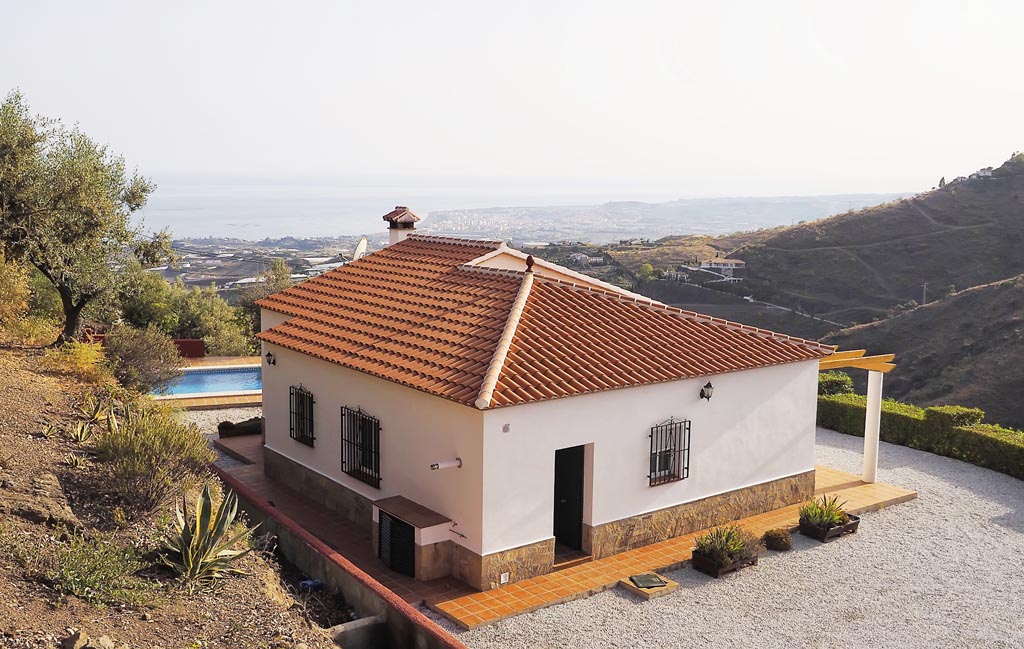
(879, 363)
(842, 355)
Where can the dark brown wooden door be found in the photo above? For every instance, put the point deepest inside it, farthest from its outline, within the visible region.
(568, 522)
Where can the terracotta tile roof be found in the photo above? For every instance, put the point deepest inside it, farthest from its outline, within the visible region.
(417, 314)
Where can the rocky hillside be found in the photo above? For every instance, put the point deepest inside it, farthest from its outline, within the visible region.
(855, 267)
(74, 574)
(967, 349)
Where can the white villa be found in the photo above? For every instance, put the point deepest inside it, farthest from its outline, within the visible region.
(723, 266)
(486, 414)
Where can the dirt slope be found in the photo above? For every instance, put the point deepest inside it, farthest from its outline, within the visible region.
(854, 267)
(965, 349)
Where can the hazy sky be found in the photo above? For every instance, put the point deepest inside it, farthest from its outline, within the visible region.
(703, 98)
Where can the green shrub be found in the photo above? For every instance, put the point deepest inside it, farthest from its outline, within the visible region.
(727, 544)
(202, 547)
(845, 413)
(32, 329)
(835, 383)
(142, 359)
(82, 360)
(935, 430)
(99, 569)
(151, 453)
(825, 512)
(942, 418)
(778, 540)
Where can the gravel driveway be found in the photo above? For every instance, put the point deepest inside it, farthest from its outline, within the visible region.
(944, 570)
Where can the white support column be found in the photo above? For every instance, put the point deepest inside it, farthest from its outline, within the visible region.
(872, 422)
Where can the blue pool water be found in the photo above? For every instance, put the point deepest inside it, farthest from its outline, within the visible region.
(216, 380)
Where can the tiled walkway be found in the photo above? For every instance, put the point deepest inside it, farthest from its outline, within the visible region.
(477, 609)
(471, 609)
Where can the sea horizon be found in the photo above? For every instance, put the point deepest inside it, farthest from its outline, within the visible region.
(254, 208)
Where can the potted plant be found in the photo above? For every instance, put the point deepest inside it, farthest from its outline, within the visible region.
(824, 519)
(725, 549)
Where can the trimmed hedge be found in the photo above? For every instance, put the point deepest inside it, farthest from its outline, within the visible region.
(952, 431)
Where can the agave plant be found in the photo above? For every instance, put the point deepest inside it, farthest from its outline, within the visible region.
(826, 512)
(200, 549)
(50, 430)
(112, 425)
(74, 460)
(79, 432)
(91, 409)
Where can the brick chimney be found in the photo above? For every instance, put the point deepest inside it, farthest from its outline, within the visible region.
(401, 223)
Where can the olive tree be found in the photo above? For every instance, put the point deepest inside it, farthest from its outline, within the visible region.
(65, 208)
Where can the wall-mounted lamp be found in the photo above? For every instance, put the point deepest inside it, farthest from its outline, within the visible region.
(450, 464)
(270, 358)
(706, 391)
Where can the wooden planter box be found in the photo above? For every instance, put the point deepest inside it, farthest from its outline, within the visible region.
(716, 570)
(815, 532)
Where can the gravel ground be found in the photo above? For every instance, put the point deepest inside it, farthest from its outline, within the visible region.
(207, 421)
(940, 571)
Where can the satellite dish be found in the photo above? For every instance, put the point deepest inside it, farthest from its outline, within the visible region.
(360, 250)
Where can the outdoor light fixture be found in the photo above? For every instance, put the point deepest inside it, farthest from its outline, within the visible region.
(273, 361)
(706, 391)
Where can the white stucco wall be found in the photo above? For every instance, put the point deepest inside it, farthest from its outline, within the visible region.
(417, 429)
(270, 319)
(758, 426)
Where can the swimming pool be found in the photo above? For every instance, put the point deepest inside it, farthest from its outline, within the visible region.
(215, 380)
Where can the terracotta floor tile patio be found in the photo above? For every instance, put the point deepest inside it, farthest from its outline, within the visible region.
(477, 609)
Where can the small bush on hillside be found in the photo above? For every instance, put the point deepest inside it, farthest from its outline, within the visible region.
(14, 288)
(99, 569)
(150, 454)
(84, 361)
(834, 383)
(32, 329)
(778, 540)
(142, 359)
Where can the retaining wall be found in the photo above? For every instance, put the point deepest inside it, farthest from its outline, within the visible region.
(406, 627)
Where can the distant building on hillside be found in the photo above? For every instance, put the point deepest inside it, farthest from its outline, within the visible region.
(676, 276)
(583, 259)
(983, 173)
(723, 266)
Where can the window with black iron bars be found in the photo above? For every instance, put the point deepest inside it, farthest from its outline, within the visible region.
(360, 445)
(301, 408)
(670, 452)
